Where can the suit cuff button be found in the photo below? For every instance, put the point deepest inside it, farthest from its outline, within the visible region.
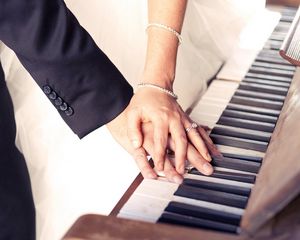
(58, 101)
(69, 111)
(52, 95)
(47, 89)
(63, 107)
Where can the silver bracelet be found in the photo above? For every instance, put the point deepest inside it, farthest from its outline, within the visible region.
(159, 25)
(150, 85)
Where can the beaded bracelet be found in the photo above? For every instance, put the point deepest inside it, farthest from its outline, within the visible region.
(159, 25)
(150, 85)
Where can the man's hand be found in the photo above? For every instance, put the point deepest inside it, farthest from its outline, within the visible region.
(118, 129)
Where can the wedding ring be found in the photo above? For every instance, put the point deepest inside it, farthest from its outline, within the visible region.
(193, 126)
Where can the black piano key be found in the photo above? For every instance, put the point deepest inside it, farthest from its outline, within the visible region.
(273, 43)
(239, 142)
(277, 37)
(243, 157)
(241, 133)
(256, 110)
(273, 53)
(202, 212)
(259, 95)
(218, 187)
(248, 124)
(274, 66)
(269, 77)
(282, 27)
(240, 177)
(276, 72)
(256, 102)
(266, 59)
(249, 116)
(188, 221)
(212, 196)
(288, 19)
(265, 89)
(272, 47)
(236, 164)
(266, 82)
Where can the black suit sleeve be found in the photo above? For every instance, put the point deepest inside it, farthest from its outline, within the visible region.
(77, 76)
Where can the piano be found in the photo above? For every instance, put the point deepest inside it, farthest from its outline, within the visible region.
(254, 190)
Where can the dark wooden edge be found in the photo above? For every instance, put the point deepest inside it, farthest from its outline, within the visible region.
(290, 3)
(127, 195)
(98, 227)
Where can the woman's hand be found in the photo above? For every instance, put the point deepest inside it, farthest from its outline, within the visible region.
(168, 119)
(118, 129)
(199, 137)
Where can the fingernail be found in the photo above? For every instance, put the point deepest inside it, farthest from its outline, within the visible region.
(208, 157)
(177, 179)
(135, 144)
(207, 168)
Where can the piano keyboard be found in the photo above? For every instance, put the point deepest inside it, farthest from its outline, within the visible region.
(242, 116)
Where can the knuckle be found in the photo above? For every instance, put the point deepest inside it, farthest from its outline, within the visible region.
(164, 116)
(177, 116)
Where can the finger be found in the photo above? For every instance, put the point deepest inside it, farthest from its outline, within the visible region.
(179, 137)
(198, 161)
(196, 139)
(195, 159)
(134, 131)
(160, 137)
(141, 160)
(170, 172)
(209, 143)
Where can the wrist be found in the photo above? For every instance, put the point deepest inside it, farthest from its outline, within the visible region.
(159, 78)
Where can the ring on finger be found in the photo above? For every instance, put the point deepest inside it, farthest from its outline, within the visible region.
(193, 126)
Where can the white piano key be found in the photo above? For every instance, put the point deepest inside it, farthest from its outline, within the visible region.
(208, 107)
(137, 217)
(224, 84)
(223, 100)
(244, 130)
(234, 150)
(211, 119)
(145, 208)
(152, 196)
(233, 171)
(218, 180)
(148, 188)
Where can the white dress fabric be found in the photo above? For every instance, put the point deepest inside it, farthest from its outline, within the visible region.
(72, 177)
